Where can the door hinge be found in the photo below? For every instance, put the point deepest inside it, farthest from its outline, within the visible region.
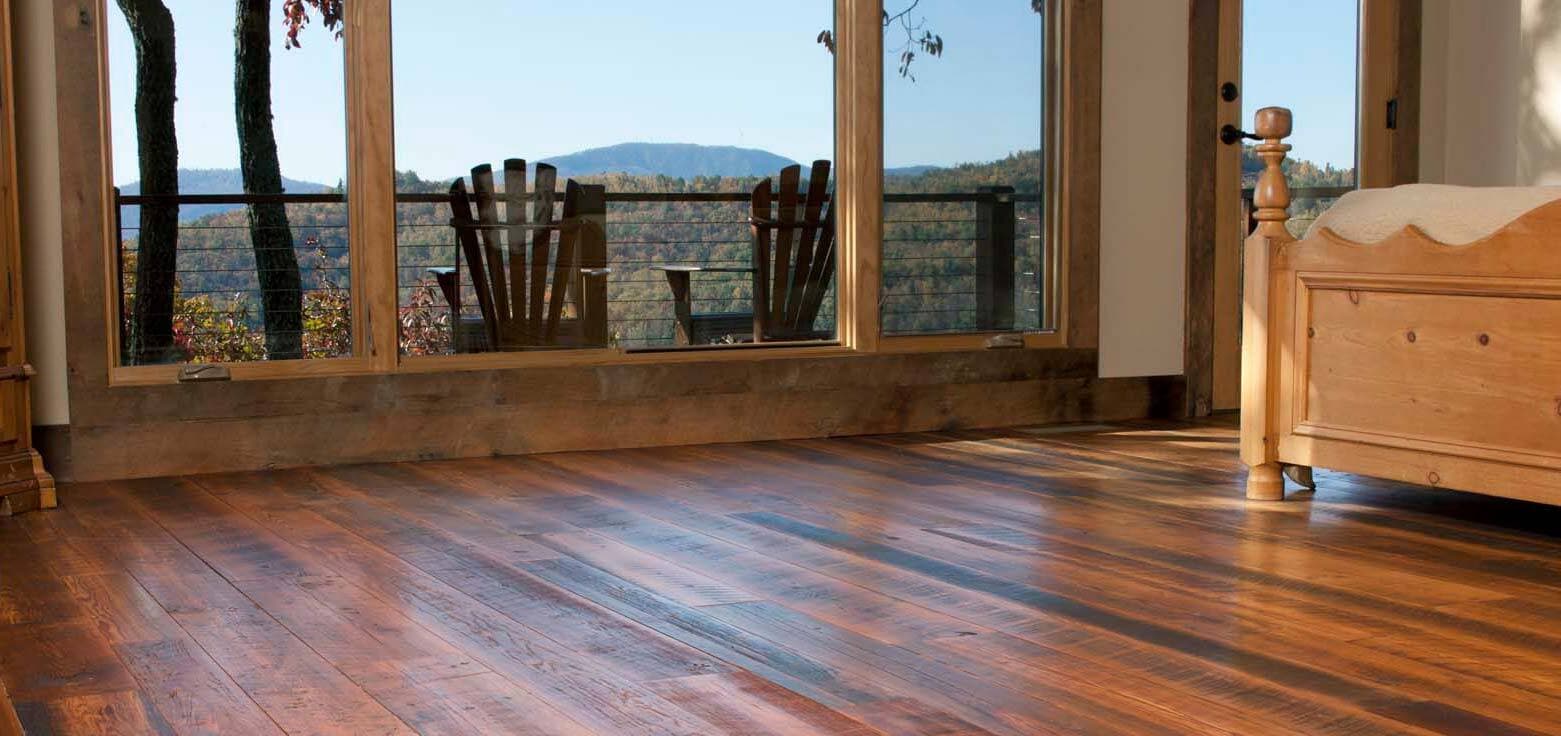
(1393, 114)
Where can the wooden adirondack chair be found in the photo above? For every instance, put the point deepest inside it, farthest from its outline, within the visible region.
(524, 288)
(794, 264)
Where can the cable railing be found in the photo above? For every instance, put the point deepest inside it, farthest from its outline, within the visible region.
(953, 262)
(1306, 204)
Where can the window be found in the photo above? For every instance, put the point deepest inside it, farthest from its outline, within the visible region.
(533, 183)
(966, 152)
(1320, 86)
(573, 176)
(229, 162)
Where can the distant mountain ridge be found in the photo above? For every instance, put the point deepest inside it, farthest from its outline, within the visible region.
(909, 170)
(678, 160)
(210, 181)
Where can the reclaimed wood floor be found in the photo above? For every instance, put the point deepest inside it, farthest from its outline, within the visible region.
(1107, 581)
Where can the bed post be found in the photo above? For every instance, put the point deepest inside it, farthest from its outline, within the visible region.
(1272, 200)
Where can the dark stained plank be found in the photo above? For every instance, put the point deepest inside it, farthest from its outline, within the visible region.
(191, 691)
(1197, 678)
(1096, 581)
(1009, 705)
(111, 714)
(743, 703)
(47, 661)
(1303, 639)
(1288, 674)
(587, 687)
(9, 724)
(29, 591)
(880, 616)
(653, 573)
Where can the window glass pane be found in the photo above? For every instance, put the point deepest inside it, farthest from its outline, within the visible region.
(666, 118)
(1319, 86)
(964, 132)
(232, 214)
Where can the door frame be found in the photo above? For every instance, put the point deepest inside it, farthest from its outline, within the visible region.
(1389, 73)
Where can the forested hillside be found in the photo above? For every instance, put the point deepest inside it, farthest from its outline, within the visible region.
(1301, 174)
(929, 259)
(209, 181)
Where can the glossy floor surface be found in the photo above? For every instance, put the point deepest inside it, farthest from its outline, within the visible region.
(1104, 581)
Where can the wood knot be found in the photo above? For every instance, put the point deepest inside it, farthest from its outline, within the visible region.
(1433, 478)
(1311, 332)
(1410, 336)
(1485, 339)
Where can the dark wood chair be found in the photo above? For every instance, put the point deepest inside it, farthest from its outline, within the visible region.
(793, 266)
(533, 290)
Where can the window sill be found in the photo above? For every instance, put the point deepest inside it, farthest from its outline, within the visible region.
(159, 375)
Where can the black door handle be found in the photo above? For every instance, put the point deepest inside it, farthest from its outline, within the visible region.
(1230, 135)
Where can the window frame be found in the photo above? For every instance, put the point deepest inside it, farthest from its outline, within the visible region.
(1052, 333)
(859, 116)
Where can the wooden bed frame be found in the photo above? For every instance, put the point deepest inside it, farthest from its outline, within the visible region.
(1406, 359)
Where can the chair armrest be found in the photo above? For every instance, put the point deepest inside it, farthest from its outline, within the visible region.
(672, 268)
(500, 227)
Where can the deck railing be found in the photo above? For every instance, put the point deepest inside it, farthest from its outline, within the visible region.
(1306, 203)
(957, 261)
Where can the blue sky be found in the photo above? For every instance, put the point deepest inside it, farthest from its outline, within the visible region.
(483, 80)
(1301, 54)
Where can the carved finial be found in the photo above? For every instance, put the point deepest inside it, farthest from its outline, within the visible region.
(1272, 194)
(1273, 123)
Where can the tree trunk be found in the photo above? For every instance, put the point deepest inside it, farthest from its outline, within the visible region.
(157, 148)
(276, 263)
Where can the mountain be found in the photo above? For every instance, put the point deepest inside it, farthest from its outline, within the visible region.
(210, 181)
(909, 170)
(686, 160)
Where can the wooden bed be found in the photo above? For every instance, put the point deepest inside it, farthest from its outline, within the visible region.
(1406, 358)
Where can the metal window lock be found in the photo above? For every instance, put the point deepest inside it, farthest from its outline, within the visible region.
(204, 373)
(1005, 341)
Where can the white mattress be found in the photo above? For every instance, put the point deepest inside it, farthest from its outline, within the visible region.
(1452, 215)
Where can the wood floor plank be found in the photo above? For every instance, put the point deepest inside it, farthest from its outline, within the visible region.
(29, 591)
(580, 684)
(1299, 641)
(1099, 580)
(191, 691)
(1195, 677)
(1285, 673)
(843, 603)
(9, 724)
(46, 661)
(743, 703)
(109, 714)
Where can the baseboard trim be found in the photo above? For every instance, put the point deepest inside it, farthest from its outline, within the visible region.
(198, 444)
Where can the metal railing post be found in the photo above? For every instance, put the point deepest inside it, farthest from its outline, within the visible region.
(995, 230)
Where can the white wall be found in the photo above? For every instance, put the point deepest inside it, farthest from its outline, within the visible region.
(1143, 181)
(38, 170)
(1492, 92)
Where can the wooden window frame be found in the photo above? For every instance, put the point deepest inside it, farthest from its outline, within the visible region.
(371, 226)
(138, 420)
(1054, 136)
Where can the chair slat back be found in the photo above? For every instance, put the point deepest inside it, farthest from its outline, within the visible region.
(522, 304)
(794, 252)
